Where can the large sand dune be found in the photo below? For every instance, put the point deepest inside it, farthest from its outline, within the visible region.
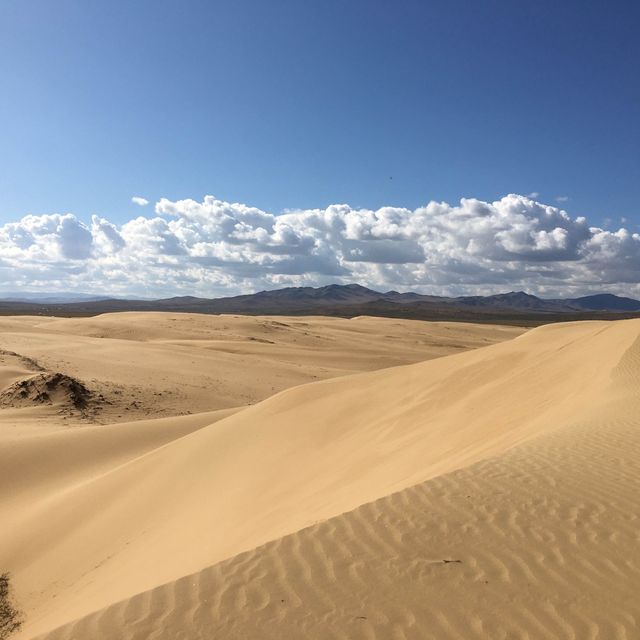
(487, 494)
(164, 364)
(538, 543)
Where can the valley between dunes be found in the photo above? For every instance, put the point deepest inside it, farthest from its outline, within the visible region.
(232, 477)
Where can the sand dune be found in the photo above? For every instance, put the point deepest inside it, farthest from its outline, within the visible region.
(540, 542)
(493, 457)
(14, 368)
(161, 364)
(36, 467)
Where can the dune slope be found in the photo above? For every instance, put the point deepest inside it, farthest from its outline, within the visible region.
(306, 455)
(539, 543)
(165, 364)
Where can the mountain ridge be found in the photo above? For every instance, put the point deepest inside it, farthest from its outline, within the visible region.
(346, 300)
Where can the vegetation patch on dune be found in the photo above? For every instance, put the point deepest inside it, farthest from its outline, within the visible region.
(10, 617)
(47, 388)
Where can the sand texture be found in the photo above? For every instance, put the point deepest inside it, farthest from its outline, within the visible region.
(493, 492)
(139, 365)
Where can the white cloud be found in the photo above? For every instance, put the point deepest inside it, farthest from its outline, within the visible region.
(562, 198)
(141, 202)
(534, 195)
(217, 248)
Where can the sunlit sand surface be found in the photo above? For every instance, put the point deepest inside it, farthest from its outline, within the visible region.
(436, 481)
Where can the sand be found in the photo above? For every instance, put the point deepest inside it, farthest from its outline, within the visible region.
(166, 364)
(490, 493)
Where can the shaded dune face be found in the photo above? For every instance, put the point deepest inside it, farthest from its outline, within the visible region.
(540, 542)
(485, 494)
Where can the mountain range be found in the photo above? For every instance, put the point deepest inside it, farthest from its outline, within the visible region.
(345, 301)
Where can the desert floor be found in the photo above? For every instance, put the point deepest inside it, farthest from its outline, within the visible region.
(182, 476)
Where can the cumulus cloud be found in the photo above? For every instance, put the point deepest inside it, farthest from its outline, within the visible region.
(562, 198)
(212, 247)
(141, 202)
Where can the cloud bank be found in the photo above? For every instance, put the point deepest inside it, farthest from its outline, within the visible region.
(213, 248)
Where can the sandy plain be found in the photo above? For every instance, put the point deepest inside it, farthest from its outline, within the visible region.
(246, 477)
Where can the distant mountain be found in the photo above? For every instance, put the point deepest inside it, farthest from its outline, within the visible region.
(515, 300)
(333, 293)
(394, 296)
(605, 302)
(525, 301)
(344, 300)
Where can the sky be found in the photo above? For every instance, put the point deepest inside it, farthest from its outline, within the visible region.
(160, 147)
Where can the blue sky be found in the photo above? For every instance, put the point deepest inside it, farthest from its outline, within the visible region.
(300, 104)
(287, 104)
